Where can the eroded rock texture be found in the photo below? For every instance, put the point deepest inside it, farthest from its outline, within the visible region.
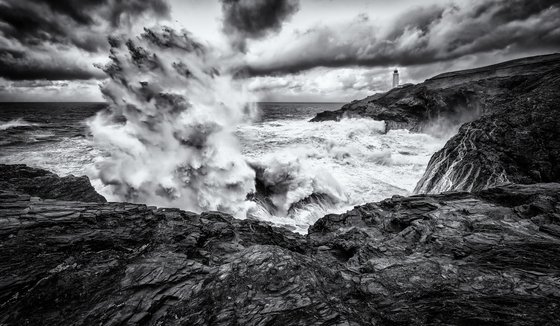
(518, 142)
(47, 185)
(449, 99)
(485, 258)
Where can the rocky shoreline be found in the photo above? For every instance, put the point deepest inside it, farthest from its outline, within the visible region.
(489, 255)
(509, 115)
(451, 98)
(518, 141)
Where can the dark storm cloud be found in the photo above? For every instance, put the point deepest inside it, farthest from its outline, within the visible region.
(245, 19)
(34, 32)
(27, 24)
(422, 36)
(116, 10)
(37, 83)
(66, 21)
(22, 66)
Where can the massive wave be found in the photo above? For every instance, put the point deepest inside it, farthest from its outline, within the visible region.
(170, 138)
(169, 129)
(169, 134)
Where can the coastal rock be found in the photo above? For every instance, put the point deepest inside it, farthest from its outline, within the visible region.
(47, 185)
(518, 142)
(448, 99)
(490, 257)
(414, 107)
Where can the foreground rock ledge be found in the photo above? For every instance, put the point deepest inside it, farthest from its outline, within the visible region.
(491, 257)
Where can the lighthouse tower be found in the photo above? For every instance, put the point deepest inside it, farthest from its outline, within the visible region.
(395, 78)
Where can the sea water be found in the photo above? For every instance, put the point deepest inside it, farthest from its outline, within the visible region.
(354, 161)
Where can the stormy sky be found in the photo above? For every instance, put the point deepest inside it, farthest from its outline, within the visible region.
(292, 50)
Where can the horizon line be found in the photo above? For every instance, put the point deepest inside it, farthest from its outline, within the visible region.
(97, 102)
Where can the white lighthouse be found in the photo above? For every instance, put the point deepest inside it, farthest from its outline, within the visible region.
(395, 78)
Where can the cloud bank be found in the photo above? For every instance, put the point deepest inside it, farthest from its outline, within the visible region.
(50, 39)
(422, 35)
(284, 53)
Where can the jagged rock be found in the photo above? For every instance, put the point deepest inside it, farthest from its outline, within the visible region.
(47, 185)
(491, 257)
(518, 142)
(451, 98)
(455, 258)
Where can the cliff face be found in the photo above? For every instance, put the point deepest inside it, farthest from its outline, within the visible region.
(451, 98)
(519, 141)
(490, 257)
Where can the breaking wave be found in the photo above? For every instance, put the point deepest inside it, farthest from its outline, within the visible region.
(16, 123)
(306, 170)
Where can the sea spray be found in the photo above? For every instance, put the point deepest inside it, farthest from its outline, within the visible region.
(169, 138)
(168, 132)
(288, 179)
(367, 164)
(314, 169)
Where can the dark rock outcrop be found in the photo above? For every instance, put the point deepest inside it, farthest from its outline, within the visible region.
(451, 98)
(485, 258)
(519, 141)
(47, 185)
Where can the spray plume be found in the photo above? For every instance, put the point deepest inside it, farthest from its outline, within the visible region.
(169, 128)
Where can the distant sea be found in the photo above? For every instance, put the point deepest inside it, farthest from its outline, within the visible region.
(354, 154)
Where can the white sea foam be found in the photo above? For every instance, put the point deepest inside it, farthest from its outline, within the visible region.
(351, 162)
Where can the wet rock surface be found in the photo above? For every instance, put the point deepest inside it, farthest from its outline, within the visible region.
(518, 142)
(484, 258)
(452, 98)
(47, 185)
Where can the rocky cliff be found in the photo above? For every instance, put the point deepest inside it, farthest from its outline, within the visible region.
(510, 117)
(482, 258)
(451, 98)
(518, 141)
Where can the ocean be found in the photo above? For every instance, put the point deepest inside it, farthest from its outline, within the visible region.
(352, 161)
